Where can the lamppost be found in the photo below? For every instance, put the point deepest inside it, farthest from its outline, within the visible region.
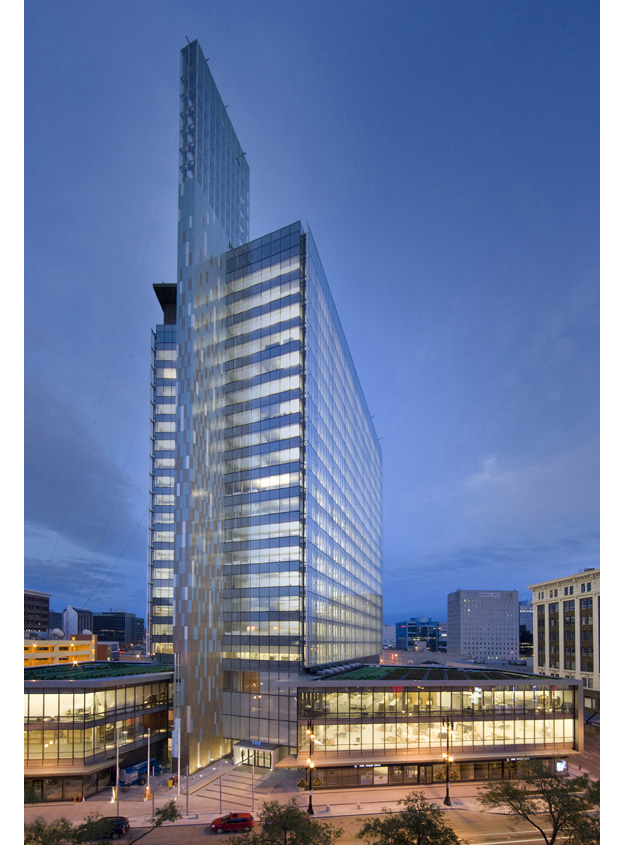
(311, 765)
(117, 768)
(449, 727)
(148, 793)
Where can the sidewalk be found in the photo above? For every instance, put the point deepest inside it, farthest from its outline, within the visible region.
(203, 798)
(240, 789)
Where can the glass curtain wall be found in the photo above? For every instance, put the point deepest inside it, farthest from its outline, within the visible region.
(161, 531)
(61, 726)
(213, 215)
(263, 402)
(343, 491)
(392, 720)
(302, 479)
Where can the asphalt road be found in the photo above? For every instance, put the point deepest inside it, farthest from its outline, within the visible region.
(473, 827)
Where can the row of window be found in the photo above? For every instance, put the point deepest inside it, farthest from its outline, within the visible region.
(433, 735)
(378, 775)
(394, 702)
(55, 744)
(277, 275)
(568, 591)
(55, 706)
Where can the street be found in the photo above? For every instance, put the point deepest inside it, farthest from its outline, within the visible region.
(474, 828)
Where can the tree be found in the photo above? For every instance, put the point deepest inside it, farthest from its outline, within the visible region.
(303, 783)
(59, 832)
(419, 823)
(167, 813)
(555, 805)
(443, 775)
(286, 824)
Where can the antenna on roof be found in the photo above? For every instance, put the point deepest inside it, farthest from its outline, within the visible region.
(187, 37)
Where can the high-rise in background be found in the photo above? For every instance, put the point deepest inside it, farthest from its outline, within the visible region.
(265, 530)
(483, 624)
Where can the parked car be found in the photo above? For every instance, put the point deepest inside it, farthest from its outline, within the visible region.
(233, 821)
(108, 827)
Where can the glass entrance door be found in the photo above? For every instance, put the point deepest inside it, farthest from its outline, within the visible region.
(255, 757)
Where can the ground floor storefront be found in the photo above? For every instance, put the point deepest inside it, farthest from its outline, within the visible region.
(420, 774)
(67, 787)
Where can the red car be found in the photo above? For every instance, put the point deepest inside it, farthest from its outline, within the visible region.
(233, 821)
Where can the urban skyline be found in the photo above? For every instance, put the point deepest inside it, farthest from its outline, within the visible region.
(485, 399)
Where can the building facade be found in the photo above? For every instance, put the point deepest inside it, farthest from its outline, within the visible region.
(36, 611)
(421, 632)
(265, 516)
(119, 626)
(378, 726)
(56, 620)
(483, 624)
(526, 628)
(76, 620)
(388, 636)
(566, 630)
(46, 652)
(76, 718)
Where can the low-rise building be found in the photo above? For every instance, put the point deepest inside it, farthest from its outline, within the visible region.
(53, 652)
(75, 717)
(376, 725)
(566, 631)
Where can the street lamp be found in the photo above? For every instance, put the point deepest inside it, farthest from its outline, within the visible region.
(311, 765)
(117, 768)
(449, 727)
(148, 793)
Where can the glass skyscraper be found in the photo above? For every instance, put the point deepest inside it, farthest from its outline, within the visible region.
(265, 533)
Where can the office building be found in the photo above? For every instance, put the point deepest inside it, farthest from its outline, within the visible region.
(119, 626)
(526, 616)
(265, 517)
(483, 625)
(56, 620)
(526, 628)
(383, 725)
(76, 620)
(566, 631)
(36, 611)
(421, 632)
(388, 636)
(75, 717)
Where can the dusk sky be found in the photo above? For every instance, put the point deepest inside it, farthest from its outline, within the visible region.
(446, 157)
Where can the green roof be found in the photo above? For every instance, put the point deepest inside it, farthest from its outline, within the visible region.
(429, 673)
(84, 672)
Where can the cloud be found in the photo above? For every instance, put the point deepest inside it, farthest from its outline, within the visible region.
(75, 577)
(543, 494)
(85, 516)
